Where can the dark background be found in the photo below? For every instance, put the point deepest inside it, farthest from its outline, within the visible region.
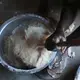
(10, 8)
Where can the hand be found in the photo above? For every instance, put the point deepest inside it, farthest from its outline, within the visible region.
(56, 37)
(59, 37)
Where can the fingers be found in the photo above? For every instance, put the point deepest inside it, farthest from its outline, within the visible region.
(59, 37)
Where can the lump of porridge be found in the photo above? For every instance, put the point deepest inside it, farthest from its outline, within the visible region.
(26, 46)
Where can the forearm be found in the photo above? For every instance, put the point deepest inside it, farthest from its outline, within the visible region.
(66, 19)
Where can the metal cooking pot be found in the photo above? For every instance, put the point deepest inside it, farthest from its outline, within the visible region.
(7, 28)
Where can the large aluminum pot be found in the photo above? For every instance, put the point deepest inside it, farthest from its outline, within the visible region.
(7, 28)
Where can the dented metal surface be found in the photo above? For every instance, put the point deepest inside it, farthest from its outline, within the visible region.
(78, 74)
(74, 25)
